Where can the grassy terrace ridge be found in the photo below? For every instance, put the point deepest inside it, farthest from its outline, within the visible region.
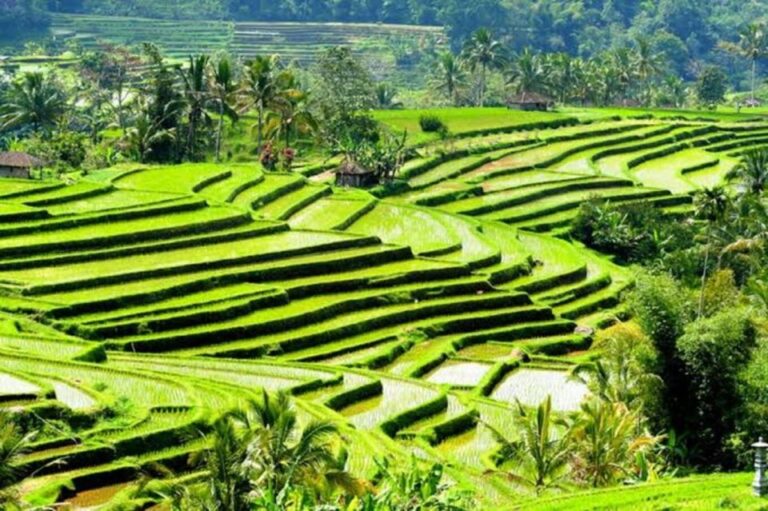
(293, 41)
(183, 290)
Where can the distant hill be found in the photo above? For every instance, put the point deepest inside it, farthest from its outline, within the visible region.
(385, 47)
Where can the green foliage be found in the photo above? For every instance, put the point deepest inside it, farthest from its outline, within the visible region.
(635, 233)
(711, 86)
(432, 124)
(345, 92)
(713, 352)
(539, 459)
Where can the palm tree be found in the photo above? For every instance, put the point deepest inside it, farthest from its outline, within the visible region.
(753, 45)
(145, 133)
(450, 77)
(223, 85)
(711, 205)
(227, 485)
(13, 444)
(386, 97)
(528, 73)
(622, 63)
(196, 98)
(484, 52)
(605, 442)
(280, 455)
(261, 88)
(752, 172)
(648, 64)
(37, 100)
(540, 456)
(291, 114)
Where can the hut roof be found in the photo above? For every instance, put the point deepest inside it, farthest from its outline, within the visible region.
(530, 98)
(350, 167)
(19, 160)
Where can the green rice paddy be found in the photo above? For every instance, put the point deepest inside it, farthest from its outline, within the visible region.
(171, 294)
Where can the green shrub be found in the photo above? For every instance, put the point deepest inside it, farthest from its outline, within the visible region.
(432, 124)
(713, 352)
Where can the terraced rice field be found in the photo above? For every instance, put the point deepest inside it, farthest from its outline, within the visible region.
(168, 295)
(294, 42)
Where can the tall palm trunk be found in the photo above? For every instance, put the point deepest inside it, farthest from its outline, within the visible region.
(219, 129)
(704, 273)
(482, 86)
(754, 72)
(260, 127)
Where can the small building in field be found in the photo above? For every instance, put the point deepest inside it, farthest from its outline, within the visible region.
(354, 175)
(531, 101)
(18, 165)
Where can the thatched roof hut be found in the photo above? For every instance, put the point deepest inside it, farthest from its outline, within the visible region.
(20, 165)
(531, 101)
(351, 173)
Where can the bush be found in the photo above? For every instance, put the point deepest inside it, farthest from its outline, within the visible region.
(432, 124)
(714, 351)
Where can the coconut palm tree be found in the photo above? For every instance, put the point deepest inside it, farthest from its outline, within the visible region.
(291, 115)
(281, 455)
(711, 205)
(605, 441)
(753, 45)
(648, 65)
(450, 76)
(486, 53)
(223, 85)
(751, 173)
(528, 73)
(260, 88)
(540, 456)
(36, 99)
(13, 444)
(197, 96)
(144, 134)
(386, 97)
(623, 67)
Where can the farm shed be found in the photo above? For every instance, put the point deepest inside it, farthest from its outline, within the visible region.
(20, 165)
(353, 174)
(531, 101)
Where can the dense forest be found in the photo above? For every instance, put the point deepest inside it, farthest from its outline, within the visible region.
(687, 32)
(688, 27)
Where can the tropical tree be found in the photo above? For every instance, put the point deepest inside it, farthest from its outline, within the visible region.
(223, 85)
(36, 99)
(626, 370)
(145, 134)
(13, 444)
(486, 53)
(751, 173)
(450, 76)
(386, 97)
(197, 95)
(711, 205)
(281, 455)
(752, 45)
(565, 75)
(648, 65)
(415, 487)
(606, 443)
(540, 457)
(528, 72)
(260, 88)
(291, 114)
(623, 67)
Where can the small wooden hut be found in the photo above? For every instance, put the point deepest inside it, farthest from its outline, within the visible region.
(352, 174)
(18, 165)
(531, 101)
